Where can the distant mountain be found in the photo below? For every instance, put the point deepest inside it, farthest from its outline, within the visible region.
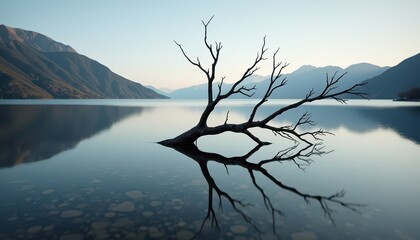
(162, 91)
(300, 82)
(398, 79)
(35, 66)
(200, 91)
(193, 92)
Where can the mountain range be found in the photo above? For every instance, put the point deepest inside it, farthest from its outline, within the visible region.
(299, 83)
(382, 82)
(399, 79)
(33, 65)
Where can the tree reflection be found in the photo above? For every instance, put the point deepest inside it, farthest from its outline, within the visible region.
(298, 155)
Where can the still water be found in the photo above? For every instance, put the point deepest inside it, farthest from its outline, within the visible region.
(91, 169)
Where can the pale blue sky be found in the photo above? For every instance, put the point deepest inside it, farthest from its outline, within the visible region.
(135, 38)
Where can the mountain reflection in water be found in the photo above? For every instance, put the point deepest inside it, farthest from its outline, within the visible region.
(404, 120)
(30, 133)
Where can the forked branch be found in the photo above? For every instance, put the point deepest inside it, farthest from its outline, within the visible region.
(275, 82)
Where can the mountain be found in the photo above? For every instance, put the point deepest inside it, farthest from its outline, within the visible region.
(31, 39)
(162, 91)
(398, 79)
(193, 92)
(300, 82)
(35, 66)
(412, 94)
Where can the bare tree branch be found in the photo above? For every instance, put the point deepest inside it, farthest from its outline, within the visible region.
(276, 81)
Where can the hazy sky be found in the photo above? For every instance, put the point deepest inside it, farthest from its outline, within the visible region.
(135, 38)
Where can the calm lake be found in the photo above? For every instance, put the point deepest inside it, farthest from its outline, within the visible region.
(83, 169)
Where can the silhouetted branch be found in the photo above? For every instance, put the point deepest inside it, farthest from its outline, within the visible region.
(276, 81)
(227, 117)
(248, 72)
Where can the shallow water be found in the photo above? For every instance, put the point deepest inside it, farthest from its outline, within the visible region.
(80, 169)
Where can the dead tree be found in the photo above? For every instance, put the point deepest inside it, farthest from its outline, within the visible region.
(277, 81)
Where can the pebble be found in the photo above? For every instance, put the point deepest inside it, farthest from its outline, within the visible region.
(17, 181)
(48, 191)
(110, 214)
(148, 213)
(123, 222)
(126, 206)
(239, 229)
(184, 235)
(155, 203)
(48, 228)
(157, 234)
(71, 213)
(27, 187)
(12, 219)
(34, 229)
(99, 225)
(349, 225)
(74, 236)
(304, 236)
(134, 194)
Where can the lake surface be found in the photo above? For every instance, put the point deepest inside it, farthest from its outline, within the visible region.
(83, 169)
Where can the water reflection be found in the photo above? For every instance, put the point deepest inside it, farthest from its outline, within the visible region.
(300, 155)
(403, 119)
(30, 133)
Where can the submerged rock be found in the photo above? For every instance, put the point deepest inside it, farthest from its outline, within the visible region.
(74, 236)
(183, 235)
(148, 213)
(71, 213)
(134, 194)
(99, 225)
(304, 236)
(155, 203)
(48, 191)
(239, 229)
(126, 206)
(34, 229)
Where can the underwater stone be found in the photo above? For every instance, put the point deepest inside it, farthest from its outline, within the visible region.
(304, 236)
(99, 225)
(134, 194)
(34, 229)
(126, 206)
(71, 213)
(148, 213)
(110, 214)
(48, 191)
(239, 229)
(155, 203)
(71, 237)
(183, 235)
